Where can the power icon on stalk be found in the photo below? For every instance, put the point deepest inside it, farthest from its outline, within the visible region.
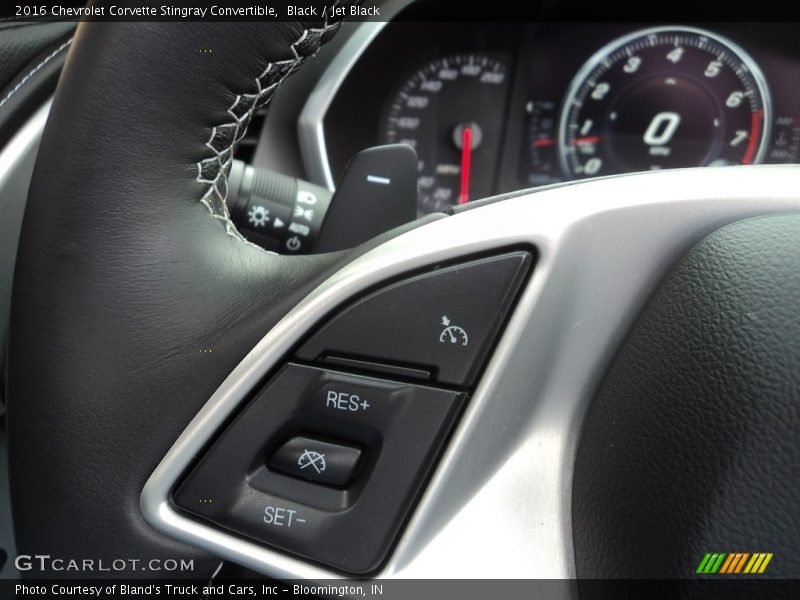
(293, 244)
(453, 334)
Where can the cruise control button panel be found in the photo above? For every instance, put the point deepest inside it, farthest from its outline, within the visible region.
(328, 463)
(326, 460)
(398, 427)
(444, 321)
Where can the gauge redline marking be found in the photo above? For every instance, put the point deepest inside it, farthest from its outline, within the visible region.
(755, 134)
(466, 160)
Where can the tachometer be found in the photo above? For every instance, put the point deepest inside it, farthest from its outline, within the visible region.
(452, 111)
(663, 98)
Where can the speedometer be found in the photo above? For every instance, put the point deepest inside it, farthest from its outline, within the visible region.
(452, 111)
(662, 98)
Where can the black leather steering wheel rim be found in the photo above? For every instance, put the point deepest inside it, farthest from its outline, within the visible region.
(134, 296)
(691, 445)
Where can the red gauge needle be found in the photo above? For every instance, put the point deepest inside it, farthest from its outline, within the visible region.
(543, 142)
(589, 139)
(466, 160)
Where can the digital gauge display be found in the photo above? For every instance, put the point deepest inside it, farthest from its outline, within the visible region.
(664, 98)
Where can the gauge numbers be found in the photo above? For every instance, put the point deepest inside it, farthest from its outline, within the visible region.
(662, 98)
(451, 111)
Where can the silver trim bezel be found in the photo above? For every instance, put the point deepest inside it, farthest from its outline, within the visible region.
(311, 123)
(17, 160)
(499, 502)
(16, 167)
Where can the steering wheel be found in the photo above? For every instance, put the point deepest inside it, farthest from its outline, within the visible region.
(638, 411)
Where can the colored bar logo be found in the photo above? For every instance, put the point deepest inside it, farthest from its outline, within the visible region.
(734, 563)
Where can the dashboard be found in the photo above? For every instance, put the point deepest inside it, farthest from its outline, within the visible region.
(492, 108)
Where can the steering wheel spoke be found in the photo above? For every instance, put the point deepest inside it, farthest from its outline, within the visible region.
(499, 502)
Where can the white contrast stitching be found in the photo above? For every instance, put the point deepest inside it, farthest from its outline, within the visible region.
(214, 171)
(33, 72)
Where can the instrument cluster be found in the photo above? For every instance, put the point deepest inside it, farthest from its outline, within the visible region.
(493, 108)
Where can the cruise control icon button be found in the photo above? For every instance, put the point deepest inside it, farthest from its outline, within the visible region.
(453, 333)
(312, 459)
(443, 321)
(318, 461)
